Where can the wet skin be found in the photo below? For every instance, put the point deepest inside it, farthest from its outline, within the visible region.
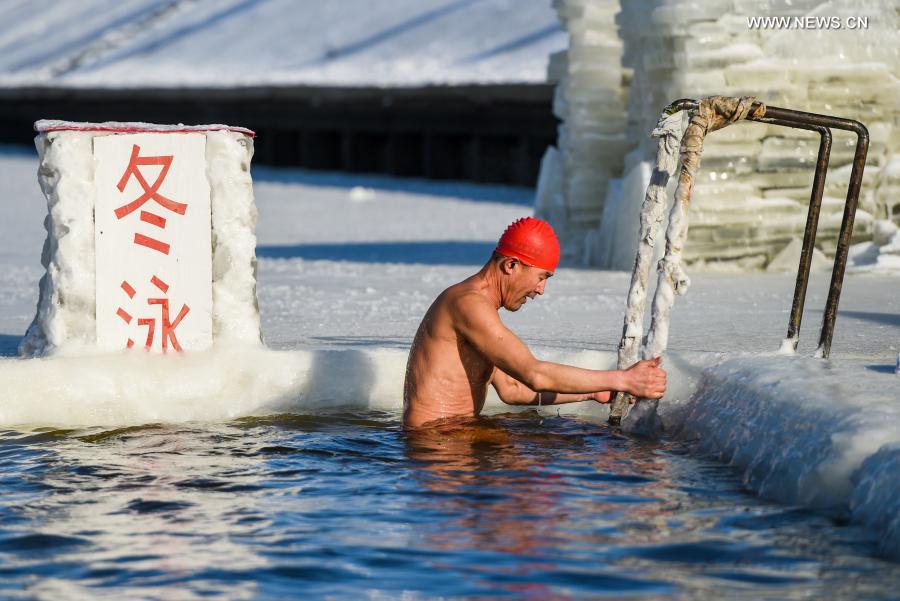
(461, 347)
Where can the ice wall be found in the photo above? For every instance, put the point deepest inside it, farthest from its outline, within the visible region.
(750, 201)
(223, 383)
(64, 321)
(590, 102)
(801, 430)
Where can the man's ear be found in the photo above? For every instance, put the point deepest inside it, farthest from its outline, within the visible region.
(507, 265)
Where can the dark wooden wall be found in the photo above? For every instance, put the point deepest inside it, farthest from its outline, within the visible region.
(494, 133)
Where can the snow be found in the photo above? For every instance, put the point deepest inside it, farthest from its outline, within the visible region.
(235, 314)
(225, 43)
(65, 315)
(343, 285)
(49, 125)
(882, 254)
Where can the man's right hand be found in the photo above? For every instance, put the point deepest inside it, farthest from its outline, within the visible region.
(645, 379)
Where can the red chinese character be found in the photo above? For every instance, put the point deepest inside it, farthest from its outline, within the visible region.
(150, 192)
(167, 327)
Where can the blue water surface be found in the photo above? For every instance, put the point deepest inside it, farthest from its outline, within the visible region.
(346, 505)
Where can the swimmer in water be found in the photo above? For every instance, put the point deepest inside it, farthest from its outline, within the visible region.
(461, 345)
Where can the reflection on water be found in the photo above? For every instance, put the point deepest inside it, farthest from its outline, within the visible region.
(348, 505)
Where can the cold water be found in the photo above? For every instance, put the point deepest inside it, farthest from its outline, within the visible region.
(347, 505)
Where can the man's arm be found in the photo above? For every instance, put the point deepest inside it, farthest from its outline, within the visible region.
(477, 321)
(513, 392)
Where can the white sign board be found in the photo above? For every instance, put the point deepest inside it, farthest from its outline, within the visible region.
(152, 232)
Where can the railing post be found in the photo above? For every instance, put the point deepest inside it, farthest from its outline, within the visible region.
(809, 235)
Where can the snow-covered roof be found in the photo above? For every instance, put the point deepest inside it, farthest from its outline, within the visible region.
(213, 43)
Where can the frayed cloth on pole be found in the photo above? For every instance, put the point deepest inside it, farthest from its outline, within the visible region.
(712, 114)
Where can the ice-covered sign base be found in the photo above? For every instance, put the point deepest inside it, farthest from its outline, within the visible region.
(150, 238)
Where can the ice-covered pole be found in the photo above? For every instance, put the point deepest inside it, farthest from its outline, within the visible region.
(712, 113)
(668, 132)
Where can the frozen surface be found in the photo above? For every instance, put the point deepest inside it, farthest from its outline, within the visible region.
(340, 299)
(223, 43)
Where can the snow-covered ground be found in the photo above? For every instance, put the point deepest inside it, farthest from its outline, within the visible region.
(226, 43)
(348, 265)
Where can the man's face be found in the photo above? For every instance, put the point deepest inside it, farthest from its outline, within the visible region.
(525, 282)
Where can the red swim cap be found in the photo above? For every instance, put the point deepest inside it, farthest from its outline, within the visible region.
(532, 241)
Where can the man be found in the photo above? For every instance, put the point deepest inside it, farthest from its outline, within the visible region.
(461, 345)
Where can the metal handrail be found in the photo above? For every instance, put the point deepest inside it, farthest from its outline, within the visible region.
(819, 123)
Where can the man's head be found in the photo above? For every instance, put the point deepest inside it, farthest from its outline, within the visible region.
(526, 255)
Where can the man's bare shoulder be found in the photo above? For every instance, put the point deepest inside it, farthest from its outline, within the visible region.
(455, 303)
(468, 309)
(464, 298)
